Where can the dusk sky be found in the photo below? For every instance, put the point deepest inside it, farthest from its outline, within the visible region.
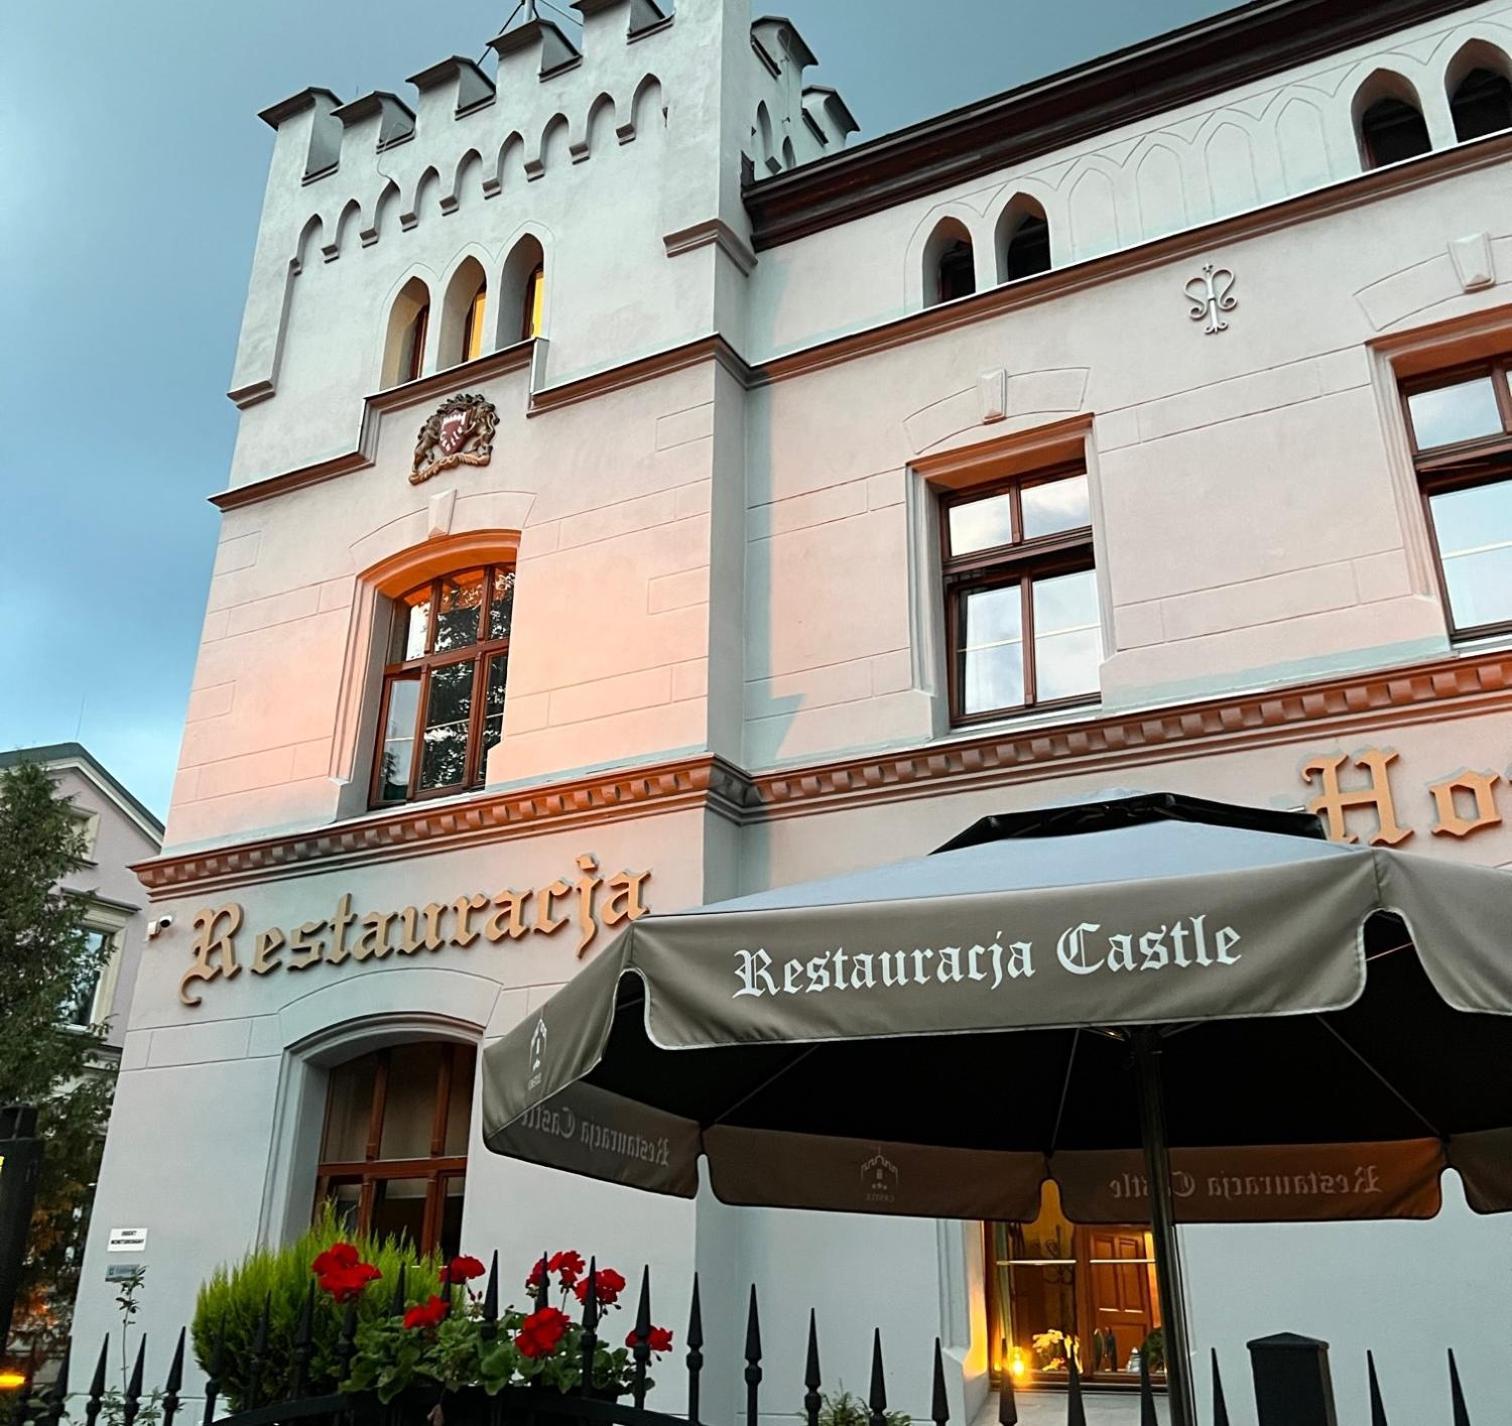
(132, 164)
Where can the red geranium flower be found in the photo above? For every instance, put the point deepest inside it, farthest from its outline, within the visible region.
(462, 1269)
(344, 1284)
(659, 1339)
(541, 1331)
(609, 1285)
(427, 1314)
(568, 1266)
(338, 1255)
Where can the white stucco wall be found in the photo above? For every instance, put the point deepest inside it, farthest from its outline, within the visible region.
(731, 552)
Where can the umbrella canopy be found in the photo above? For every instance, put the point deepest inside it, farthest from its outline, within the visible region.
(1333, 1029)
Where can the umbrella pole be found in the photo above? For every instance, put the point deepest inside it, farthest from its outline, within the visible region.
(1152, 1123)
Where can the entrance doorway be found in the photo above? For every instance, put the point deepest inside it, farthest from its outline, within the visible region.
(1057, 1287)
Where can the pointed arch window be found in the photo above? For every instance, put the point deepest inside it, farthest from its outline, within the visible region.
(949, 264)
(1481, 104)
(1389, 122)
(409, 326)
(1025, 241)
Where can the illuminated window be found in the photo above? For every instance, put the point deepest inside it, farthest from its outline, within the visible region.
(1021, 606)
(472, 334)
(393, 1155)
(1058, 1288)
(464, 316)
(534, 304)
(443, 685)
(1461, 428)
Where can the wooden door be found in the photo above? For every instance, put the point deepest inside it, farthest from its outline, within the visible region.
(1119, 1311)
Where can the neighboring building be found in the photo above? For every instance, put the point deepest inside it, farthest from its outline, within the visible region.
(1146, 426)
(118, 833)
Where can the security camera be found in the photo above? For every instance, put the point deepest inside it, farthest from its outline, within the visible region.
(155, 928)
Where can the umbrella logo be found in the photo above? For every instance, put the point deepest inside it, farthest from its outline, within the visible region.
(537, 1052)
(879, 1179)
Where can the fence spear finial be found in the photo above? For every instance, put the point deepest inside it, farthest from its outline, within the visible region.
(97, 1386)
(642, 1338)
(813, 1402)
(1076, 1413)
(175, 1381)
(1457, 1393)
(877, 1397)
(1377, 1406)
(133, 1399)
(59, 1394)
(753, 1360)
(1147, 1416)
(695, 1352)
(1220, 1406)
(939, 1405)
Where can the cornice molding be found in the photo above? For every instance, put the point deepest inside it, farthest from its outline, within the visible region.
(704, 781)
(421, 392)
(1457, 686)
(648, 368)
(1183, 66)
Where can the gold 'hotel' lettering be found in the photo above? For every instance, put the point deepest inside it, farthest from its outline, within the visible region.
(587, 903)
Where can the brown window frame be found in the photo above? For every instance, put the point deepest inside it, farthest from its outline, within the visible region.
(1021, 561)
(1462, 465)
(480, 655)
(438, 1168)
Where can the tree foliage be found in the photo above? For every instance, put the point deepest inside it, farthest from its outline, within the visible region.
(46, 961)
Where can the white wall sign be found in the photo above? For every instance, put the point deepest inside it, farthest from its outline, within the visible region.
(126, 1240)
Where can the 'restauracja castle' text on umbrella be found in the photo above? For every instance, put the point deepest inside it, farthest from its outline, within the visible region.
(1083, 949)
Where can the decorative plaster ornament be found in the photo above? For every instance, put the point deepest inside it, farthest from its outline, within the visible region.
(1211, 295)
(459, 433)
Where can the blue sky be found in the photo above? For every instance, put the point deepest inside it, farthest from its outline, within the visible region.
(132, 165)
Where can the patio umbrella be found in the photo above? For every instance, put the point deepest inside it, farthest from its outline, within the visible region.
(1224, 1017)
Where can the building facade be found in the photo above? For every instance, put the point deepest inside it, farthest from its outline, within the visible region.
(779, 506)
(119, 832)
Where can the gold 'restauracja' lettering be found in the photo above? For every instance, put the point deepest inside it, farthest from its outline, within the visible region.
(587, 903)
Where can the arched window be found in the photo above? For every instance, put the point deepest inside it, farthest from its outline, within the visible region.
(949, 264)
(409, 322)
(534, 303)
(443, 685)
(393, 1154)
(1389, 121)
(464, 316)
(1023, 241)
(522, 293)
(1481, 103)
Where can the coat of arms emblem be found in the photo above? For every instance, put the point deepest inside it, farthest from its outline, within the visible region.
(460, 432)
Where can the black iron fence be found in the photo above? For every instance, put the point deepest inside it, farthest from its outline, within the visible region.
(1291, 1374)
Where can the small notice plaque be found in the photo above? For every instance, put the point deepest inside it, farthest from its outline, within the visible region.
(126, 1240)
(122, 1272)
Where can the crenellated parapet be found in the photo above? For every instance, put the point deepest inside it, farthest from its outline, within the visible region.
(715, 88)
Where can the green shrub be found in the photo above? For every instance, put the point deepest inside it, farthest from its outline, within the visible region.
(844, 1409)
(230, 1305)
